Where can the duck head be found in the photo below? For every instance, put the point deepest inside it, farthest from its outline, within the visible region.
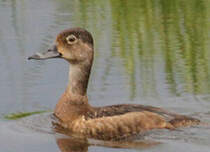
(74, 45)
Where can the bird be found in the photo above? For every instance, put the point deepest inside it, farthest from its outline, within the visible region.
(114, 122)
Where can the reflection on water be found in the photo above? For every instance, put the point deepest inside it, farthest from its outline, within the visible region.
(73, 145)
(166, 33)
(171, 31)
(153, 52)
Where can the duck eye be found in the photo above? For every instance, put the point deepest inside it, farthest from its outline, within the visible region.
(71, 39)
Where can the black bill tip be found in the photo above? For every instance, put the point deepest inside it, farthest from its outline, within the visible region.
(35, 56)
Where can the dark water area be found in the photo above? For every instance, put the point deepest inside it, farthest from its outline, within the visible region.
(153, 52)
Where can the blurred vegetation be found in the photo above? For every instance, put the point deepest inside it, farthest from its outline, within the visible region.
(19, 115)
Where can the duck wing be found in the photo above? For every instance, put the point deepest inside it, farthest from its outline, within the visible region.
(120, 109)
(177, 120)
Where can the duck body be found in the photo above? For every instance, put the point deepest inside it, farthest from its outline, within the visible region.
(113, 122)
(116, 122)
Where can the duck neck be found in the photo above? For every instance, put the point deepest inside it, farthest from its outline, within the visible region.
(78, 79)
(74, 102)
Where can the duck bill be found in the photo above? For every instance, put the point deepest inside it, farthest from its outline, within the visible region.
(51, 53)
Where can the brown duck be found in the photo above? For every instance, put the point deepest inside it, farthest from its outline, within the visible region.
(113, 122)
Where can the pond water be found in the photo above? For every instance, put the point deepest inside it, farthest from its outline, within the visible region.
(153, 52)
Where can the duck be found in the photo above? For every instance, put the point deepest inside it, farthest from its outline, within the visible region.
(114, 122)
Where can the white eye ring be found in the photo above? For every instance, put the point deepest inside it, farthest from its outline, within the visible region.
(71, 39)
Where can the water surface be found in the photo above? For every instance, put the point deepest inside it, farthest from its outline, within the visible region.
(153, 52)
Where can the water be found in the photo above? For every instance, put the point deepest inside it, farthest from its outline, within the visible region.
(147, 52)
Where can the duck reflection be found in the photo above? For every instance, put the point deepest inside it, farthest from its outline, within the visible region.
(70, 143)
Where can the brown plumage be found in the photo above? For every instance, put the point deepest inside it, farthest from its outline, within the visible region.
(108, 123)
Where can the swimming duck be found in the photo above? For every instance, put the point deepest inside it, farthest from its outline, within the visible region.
(114, 122)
